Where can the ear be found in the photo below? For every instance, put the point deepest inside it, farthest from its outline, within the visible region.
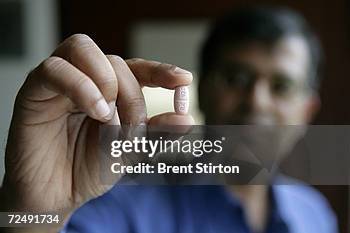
(312, 107)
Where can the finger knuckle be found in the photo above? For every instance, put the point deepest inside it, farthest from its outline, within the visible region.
(79, 38)
(116, 59)
(109, 88)
(77, 43)
(136, 102)
(50, 64)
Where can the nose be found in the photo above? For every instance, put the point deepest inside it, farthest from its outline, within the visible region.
(259, 98)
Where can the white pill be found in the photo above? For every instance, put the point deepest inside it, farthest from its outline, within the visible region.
(181, 99)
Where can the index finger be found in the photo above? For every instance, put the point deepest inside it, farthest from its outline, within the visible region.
(157, 74)
(83, 53)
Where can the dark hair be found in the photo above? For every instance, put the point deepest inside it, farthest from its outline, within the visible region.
(262, 24)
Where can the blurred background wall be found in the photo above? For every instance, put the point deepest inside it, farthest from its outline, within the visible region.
(172, 31)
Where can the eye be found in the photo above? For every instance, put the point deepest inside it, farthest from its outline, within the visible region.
(281, 85)
(239, 78)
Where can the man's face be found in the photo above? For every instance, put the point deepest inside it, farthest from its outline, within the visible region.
(258, 84)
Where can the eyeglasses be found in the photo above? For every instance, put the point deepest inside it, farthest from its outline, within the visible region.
(243, 78)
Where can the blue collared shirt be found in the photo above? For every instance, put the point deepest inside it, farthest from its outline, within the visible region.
(204, 209)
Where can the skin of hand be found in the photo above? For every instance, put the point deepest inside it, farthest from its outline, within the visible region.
(51, 154)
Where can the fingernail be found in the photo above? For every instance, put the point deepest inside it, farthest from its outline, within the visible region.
(102, 110)
(112, 107)
(178, 70)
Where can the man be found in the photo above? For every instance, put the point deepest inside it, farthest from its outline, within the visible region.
(258, 66)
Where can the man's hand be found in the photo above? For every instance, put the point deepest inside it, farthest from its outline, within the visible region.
(51, 153)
